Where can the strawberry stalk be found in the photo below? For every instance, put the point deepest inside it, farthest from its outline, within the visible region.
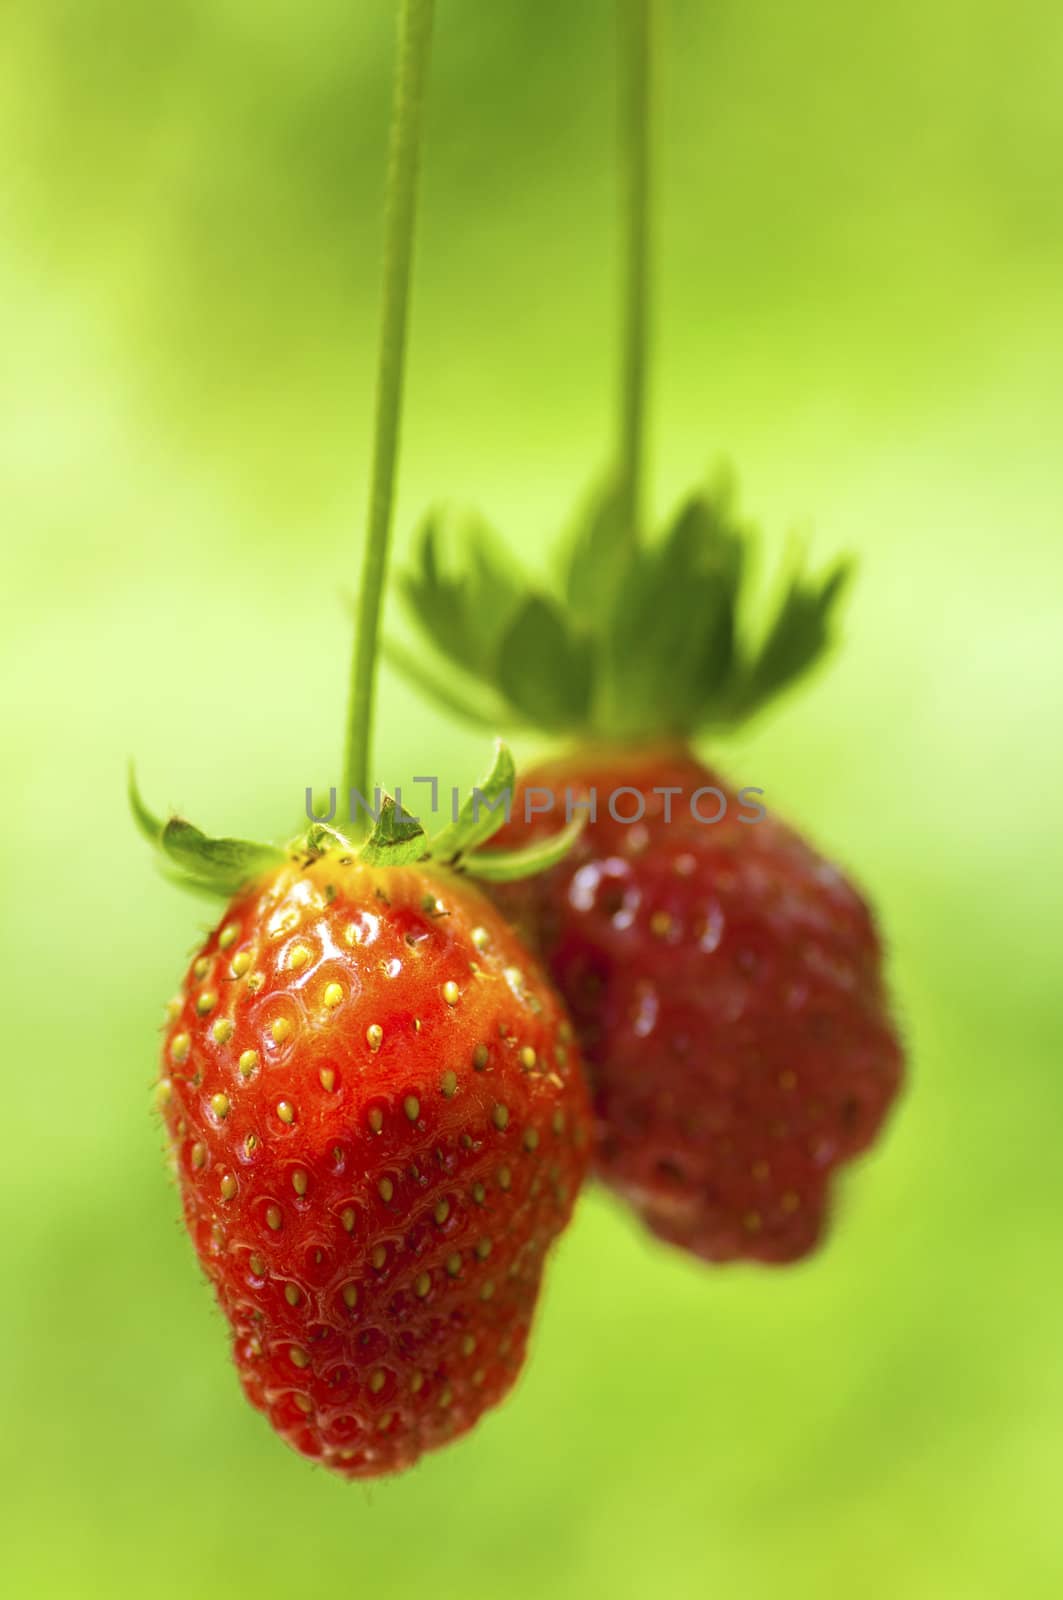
(220, 866)
(415, 37)
(627, 636)
(636, 55)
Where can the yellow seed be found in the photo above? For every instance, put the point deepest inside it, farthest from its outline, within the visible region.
(374, 1036)
(251, 1144)
(257, 1265)
(446, 1397)
(180, 1047)
(332, 996)
(241, 963)
(299, 1181)
(500, 1116)
(787, 1080)
(468, 1345)
(304, 1402)
(375, 1120)
(228, 935)
(378, 1256)
(201, 967)
(790, 1201)
(451, 992)
(347, 1219)
(453, 1265)
(760, 1170)
(255, 982)
(292, 1293)
(479, 1057)
(417, 1383)
(299, 1357)
(487, 1291)
(350, 1295)
(219, 1104)
(386, 1189)
(481, 938)
(527, 1057)
(377, 1380)
(478, 1376)
(298, 956)
(274, 1218)
(478, 1193)
(558, 1122)
(228, 1186)
(328, 1079)
(442, 1211)
(661, 924)
(531, 1139)
(385, 1422)
(504, 1177)
(280, 1028)
(422, 1286)
(483, 1249)
(164, 1091)
(173, 1008)
(248, 1062)
(206, 1001)
(412, 1107)
(199, 1155)
(751, 1221)
(285, 1111)
(448, 1085)
(222, 1031)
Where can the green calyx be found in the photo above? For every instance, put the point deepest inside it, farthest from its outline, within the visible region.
(627, 640)
(222, 867)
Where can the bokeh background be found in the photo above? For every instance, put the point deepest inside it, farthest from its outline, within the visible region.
(860, 257)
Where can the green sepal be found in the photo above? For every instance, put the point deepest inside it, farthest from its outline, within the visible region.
(507, 866)
(624, 641)
(545, 665)
(192, 858)
(426, 678)
(594, 553)
(795, 640)
(397, 839)
(463, 589)
(482, 813)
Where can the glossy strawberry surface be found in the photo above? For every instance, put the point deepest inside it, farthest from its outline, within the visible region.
(379, 1126)
(726, 986)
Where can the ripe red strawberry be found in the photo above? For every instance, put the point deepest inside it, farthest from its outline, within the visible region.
(725, 982)
(378, 1128)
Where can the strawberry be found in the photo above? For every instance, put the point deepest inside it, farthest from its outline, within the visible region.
(724, 980)
(378, 1126)
(370, 1091)
(725, 983)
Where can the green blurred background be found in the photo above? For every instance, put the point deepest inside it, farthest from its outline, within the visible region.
(861, 252)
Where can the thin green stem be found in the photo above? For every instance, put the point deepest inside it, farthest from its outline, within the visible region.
(635, 69)
(415, 35)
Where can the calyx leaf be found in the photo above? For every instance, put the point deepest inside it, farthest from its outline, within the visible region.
(506, 866)
(625, 640)
(397, 839)
(482, 813)
(194, 859)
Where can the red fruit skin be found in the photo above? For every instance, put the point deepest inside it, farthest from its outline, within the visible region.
(726, 986)
(372, 1209)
